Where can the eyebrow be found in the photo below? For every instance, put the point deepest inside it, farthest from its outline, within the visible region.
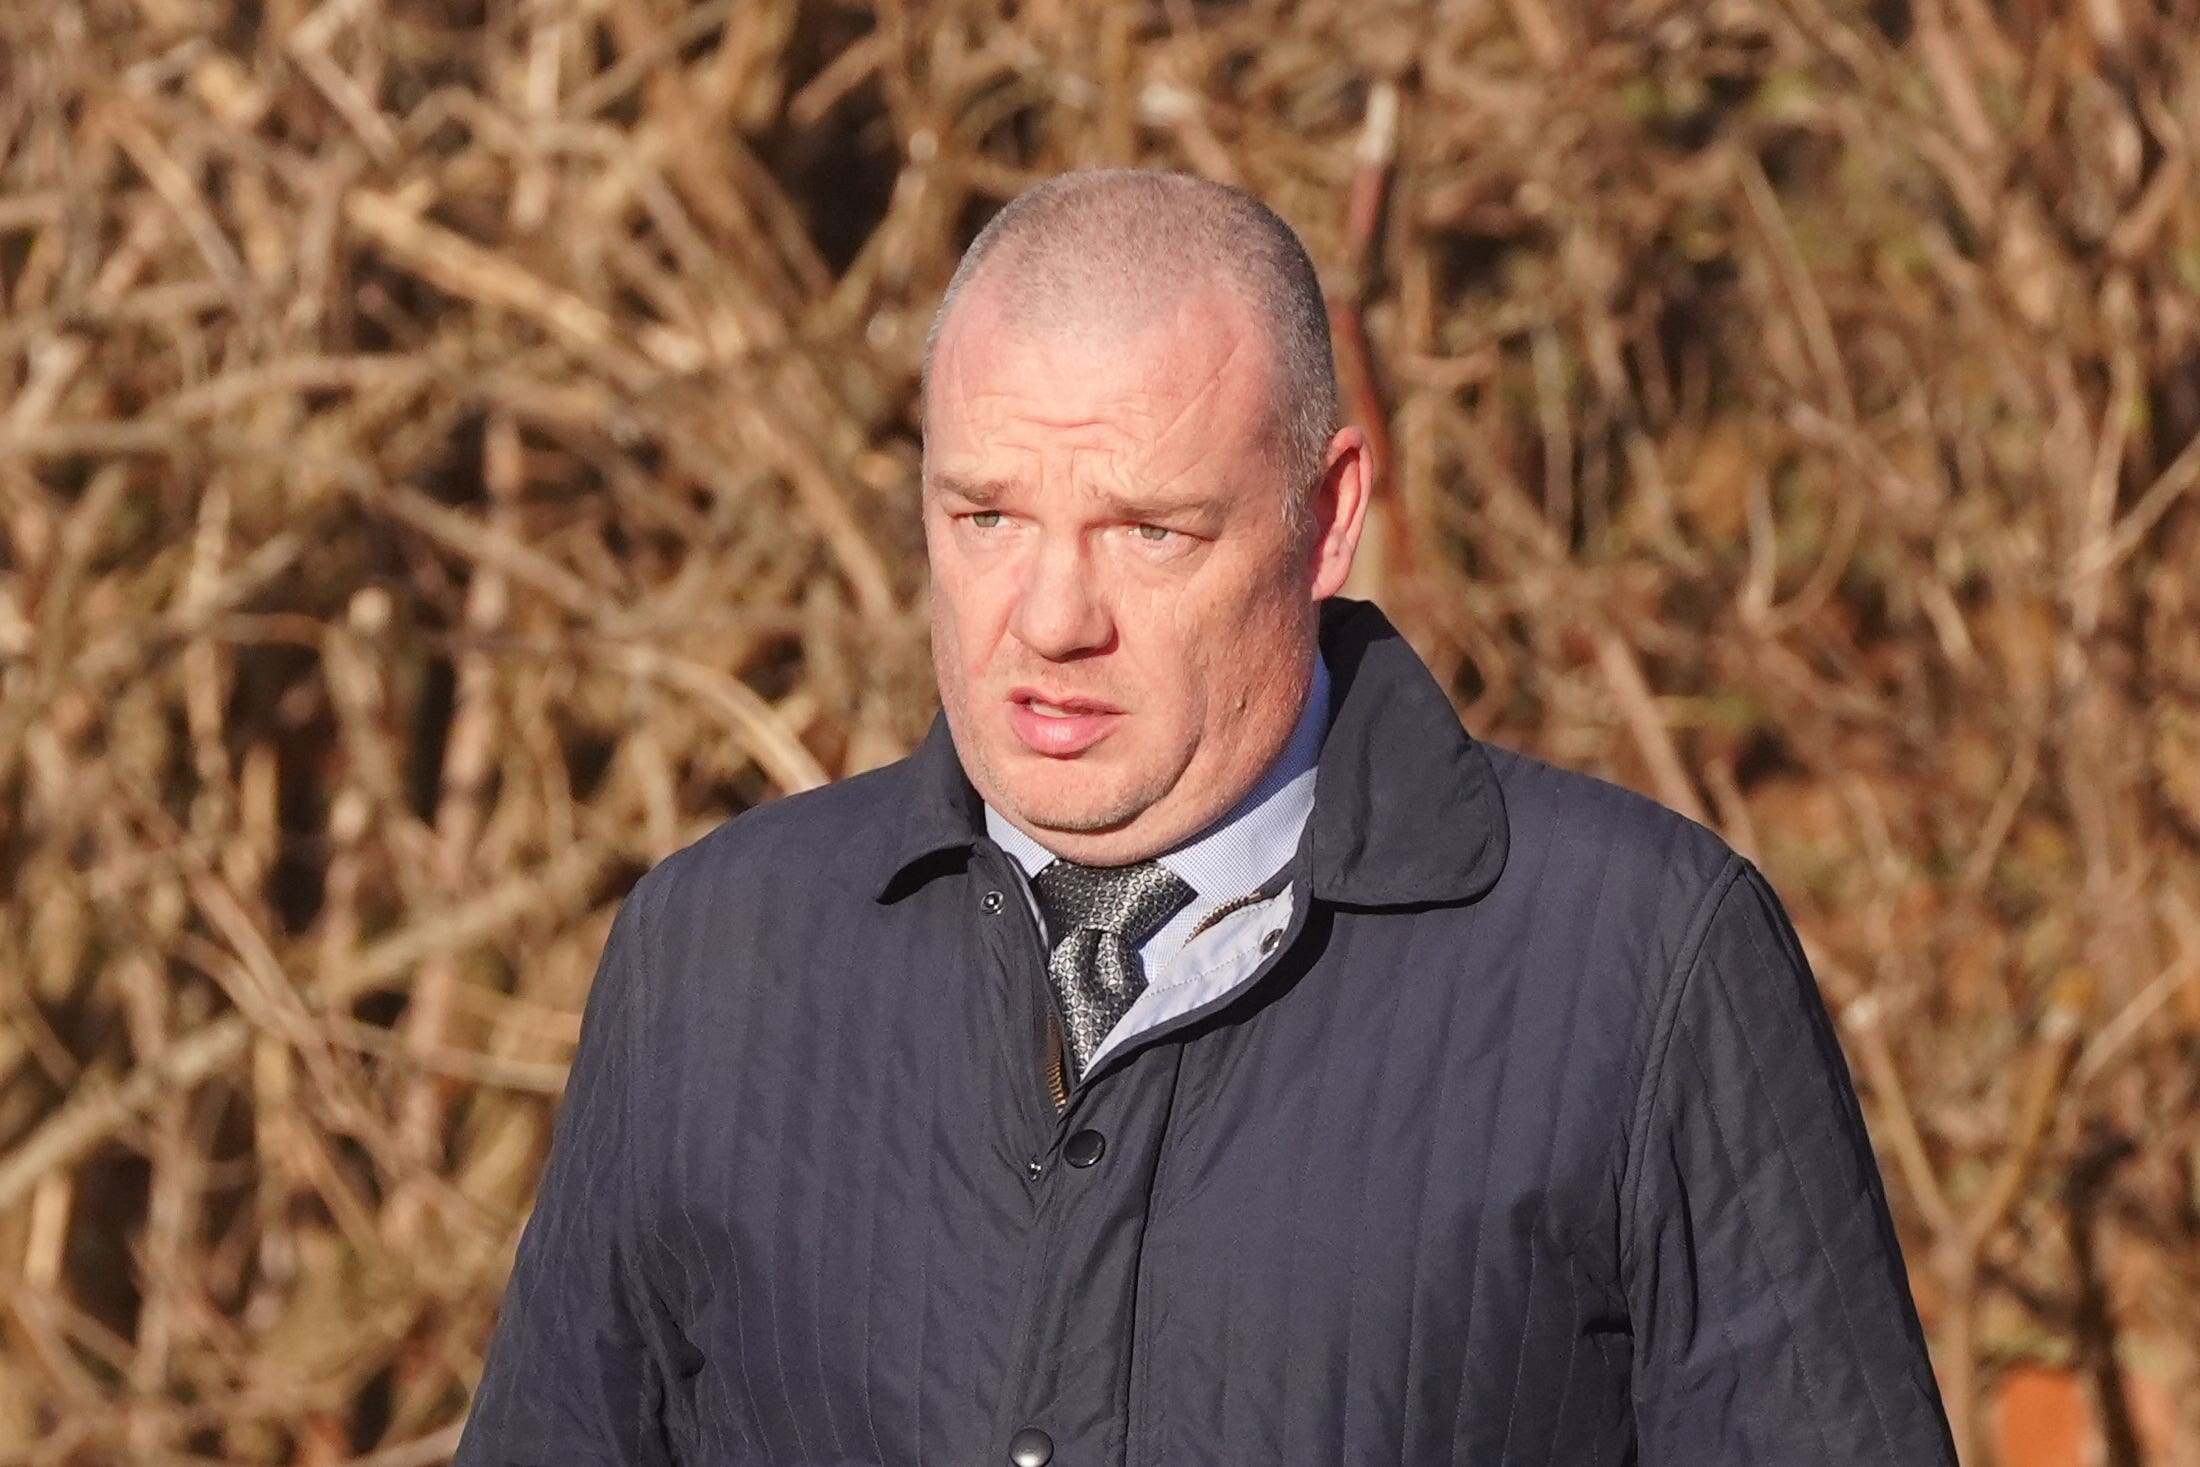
(1147, 510)
(987, 493)
(976, 491)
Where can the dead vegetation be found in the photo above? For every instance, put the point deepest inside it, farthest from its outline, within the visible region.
(453, 452)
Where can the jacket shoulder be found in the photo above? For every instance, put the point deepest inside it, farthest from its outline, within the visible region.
(813, 834)
(1609, 890)
(1572, 828)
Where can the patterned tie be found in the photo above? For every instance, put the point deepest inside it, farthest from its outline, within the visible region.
(1098, 915)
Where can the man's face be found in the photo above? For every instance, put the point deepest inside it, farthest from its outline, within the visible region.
(1122, 617)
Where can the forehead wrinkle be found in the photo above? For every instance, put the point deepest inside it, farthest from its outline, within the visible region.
(1021, 406)
(1128, 441)
(1214, 432)
(1208, 387)
(1145, 443)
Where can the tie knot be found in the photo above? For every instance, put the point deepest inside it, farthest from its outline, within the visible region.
(1129, 902)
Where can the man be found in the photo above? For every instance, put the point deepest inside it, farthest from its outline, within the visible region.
(1200, 1050)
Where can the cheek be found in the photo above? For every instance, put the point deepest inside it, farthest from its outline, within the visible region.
(1201, 673)
(958, 603)
(946, 653)
(986, 657)
(1195, 658)
(1244, 653)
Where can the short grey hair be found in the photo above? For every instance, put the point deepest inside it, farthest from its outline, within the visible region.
(1119, 236)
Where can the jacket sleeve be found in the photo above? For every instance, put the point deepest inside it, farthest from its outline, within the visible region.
(574, 1374)
(1771, 1310)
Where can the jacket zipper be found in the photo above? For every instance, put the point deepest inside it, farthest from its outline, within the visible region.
(1057, 1084)
(1234, 904)
(1057, 1080)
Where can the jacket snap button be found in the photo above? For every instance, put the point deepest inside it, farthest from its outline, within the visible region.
(1031, 1447)
(990, 903)
(1269, 939)
(1033, 1167)
(1084, 1148)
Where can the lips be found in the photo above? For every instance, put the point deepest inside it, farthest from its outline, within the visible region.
(1059, 726)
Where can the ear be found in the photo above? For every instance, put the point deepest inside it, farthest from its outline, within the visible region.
(1340, 509)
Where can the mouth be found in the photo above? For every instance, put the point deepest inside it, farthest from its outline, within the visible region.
(1059, 726)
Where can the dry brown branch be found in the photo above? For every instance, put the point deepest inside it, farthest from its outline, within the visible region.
(96, 1112)
(449, 461)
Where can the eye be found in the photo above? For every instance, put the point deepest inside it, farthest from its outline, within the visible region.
(986, 519)
(1153, 534)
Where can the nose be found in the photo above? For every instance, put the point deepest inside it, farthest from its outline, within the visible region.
(1060, 612)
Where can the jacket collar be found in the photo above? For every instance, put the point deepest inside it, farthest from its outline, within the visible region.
(1406, 804)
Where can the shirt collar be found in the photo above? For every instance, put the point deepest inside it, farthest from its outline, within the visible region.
(1254, 840)
(1406, 804)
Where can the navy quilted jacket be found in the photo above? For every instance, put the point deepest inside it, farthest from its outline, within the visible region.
(1530, 1144)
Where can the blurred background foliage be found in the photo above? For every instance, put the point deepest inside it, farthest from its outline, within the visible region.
(454, 452)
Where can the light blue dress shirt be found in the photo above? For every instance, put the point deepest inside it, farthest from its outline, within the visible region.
(1253, 842)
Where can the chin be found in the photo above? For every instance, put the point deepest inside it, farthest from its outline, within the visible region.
(1075, 816)
(1073, 800)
